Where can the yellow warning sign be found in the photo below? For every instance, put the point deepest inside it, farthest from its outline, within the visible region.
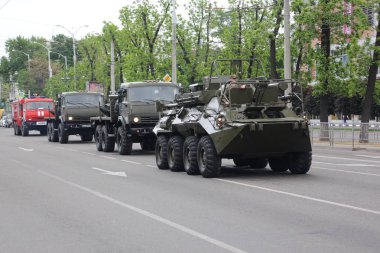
(167, 78)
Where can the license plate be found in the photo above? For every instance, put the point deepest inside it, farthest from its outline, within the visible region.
(86, 125)
(41, 123)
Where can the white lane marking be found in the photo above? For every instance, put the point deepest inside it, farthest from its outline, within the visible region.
(152, 166)
(301, 196)
(26, 149)
(349, 171)
(369, 156)
(108, 157)
(350, 164)
(346, 159)
(127, 161)
(147, 214)
(112, 173)
(88, 153)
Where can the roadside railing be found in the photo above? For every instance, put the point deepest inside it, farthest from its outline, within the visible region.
(349, 133)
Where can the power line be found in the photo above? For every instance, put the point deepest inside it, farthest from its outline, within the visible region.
(5, 4)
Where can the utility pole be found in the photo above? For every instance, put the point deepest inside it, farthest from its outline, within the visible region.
(287, 60)
(174, 44)
(112, 67)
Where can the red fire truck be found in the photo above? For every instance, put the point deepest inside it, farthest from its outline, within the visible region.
(31, 114)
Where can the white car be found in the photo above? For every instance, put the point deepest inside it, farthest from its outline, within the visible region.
(3, 121)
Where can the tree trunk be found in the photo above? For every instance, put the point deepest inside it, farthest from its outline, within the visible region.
(368, 98)
(273, 61)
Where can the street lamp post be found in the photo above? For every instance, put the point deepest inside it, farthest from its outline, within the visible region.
(48, 49)
(74, 49)
(14, 50)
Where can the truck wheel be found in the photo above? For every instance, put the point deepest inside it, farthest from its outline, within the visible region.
(299, 163)
(240, 162)
(258, 163)
(162, 152)
(63, 136)
(24, 131)
(124, 142)
(175, 153)
(49, 132)
(279, 164)
(54, 133)
(208, 160)
(98, 138)
(190, 163)
(109, 142)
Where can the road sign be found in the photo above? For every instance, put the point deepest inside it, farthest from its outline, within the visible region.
(167, 78)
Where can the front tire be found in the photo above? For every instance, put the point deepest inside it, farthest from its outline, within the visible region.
(98, 138)
(279, 164)
(109, 142)
(300, 163)
(162, 152)
(24, 130)
(175, 153)
(49, 132)
(124, 142)
(208, 160)
(63, 136)
(190, 162)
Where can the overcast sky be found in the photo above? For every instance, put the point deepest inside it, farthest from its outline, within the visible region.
(40, 17)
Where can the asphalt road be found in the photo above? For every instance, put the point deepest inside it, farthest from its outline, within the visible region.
(71, 198)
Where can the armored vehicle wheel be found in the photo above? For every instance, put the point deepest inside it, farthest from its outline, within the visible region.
(208, 160)
(148, 145)
(86, 137)
(299, 163)
(175, 153)
(62, 134)
(162, 152)
(109, 142)
(258, 163)
(240, 162)
(124, 142)
(98, 138)
(190, 163)
(49, 132)
(278, 164)
(24, 131)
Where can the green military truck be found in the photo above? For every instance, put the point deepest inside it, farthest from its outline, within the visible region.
(131, 115)
(72, 113)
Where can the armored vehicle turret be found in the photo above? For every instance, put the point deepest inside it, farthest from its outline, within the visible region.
(254, 121)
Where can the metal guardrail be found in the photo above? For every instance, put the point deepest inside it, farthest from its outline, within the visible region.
(349, 133)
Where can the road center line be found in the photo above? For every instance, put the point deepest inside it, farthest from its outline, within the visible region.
(148, 214)
(108, 157)
(346, 159)
(348, 171)
(349, 164)
(301, 196)
(127, 161)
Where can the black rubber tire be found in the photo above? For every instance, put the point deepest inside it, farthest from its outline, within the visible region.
(279, 164)
(87, 137)
(49, 132)
(62, 134)
(175, 153)
(258, 163)
(98, 138)
(109, 142)
(24, 131)
(54, 137)
(161, 152)
(124, 142)
(190, 162)
(300, 163)
(208, 160)
(240, 162)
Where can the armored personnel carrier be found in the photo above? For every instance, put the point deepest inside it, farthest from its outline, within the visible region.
(71, 116)
(250, 120)
(131, 115)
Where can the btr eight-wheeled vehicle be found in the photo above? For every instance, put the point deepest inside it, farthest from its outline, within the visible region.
(254, 121)
(130, 116)
(72, 114)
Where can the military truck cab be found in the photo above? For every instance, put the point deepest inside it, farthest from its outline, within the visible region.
(72, 116)
(131, 116)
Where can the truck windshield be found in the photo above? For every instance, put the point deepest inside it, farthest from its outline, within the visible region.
(87, 99)
(152, 93)
(39, 105)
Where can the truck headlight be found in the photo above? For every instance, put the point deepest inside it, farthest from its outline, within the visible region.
(70, 118)
(136, 119)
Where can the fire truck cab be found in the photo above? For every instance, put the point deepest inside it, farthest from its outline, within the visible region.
(31, 114)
